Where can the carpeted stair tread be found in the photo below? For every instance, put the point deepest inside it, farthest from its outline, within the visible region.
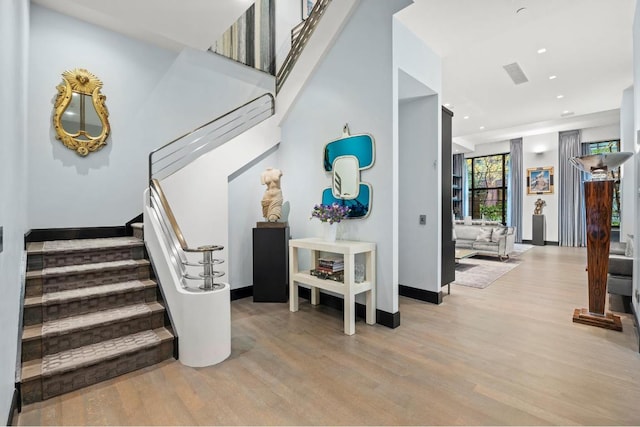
(86, 268)
(92, 354)
(95, 291)
(82, 245)
(86, 321)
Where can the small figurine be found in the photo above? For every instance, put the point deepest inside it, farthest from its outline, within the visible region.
(539, 205)
(272, 199)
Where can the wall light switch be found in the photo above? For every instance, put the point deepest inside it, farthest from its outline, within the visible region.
(423, 220)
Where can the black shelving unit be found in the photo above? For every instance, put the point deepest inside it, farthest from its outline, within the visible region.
(448, 245)
(456, 195)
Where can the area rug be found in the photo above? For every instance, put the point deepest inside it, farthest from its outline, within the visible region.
(480, 273)
(520, 248)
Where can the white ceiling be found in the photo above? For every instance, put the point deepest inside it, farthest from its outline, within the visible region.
(172, 24)
(588, 45)
(589, 49)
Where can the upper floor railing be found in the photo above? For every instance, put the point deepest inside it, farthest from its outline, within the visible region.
(178, 153)
(300, 41)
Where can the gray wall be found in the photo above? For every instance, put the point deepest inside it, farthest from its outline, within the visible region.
(418, 192)
(153, 96)
(540, 150)
(66, 190)
(14, 39)
(349, 86)
(636, 109)
(627, 136)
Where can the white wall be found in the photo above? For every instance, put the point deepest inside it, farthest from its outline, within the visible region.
(533, 158)
(601, 133)
(539, 151)
(418, 179)
(627, 193)
(349, 86)
(153, 96)
(245, 209)
(14, 45)
(66, 190)
(288, 15)
(636, 109)
(416, 70)
(204, 206)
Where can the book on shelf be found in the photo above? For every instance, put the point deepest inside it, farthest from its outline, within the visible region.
(336, 276)
(331, 264)
(329, 269)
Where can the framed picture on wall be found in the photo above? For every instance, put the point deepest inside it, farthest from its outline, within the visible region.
(540, 180)
(307, 6)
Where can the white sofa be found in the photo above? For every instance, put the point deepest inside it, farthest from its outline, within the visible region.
(488, 239)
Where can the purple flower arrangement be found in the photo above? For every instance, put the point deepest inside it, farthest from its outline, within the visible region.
(330, 213)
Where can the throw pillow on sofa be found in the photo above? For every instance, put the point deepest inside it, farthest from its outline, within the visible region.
(484, 235)
(497, 233)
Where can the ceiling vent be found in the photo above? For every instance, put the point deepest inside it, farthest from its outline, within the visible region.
(516, 73)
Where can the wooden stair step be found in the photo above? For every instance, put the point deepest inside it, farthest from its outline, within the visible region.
(72, 324)
(86, 268)
(57, 279)
(78, 331)
(59, 297)
(74, 302)
(82, 245)
(69, 370)
(58, 253)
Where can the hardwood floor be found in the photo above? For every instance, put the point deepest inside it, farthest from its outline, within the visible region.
(506, 354)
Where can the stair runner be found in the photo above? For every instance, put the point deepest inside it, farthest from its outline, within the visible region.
(90, 314)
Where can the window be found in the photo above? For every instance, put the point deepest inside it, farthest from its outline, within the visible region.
(487, 180)
(612, 146)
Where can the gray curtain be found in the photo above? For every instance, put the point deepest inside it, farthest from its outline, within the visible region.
(514, 196)
(571, 221)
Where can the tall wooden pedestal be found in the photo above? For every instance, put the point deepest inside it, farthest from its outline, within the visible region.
(270, 264)
(598, 201)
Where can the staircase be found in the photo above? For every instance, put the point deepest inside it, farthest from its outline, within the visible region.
(90, 313)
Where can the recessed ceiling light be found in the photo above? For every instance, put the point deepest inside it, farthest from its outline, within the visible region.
(560, 96)
(566, 113)
(465, 117)
(543, 50)
(552, 77)
(481, 127)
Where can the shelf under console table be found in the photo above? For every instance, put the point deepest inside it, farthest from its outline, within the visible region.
(348, 289)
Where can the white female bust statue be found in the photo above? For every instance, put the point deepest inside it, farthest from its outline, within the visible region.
(272, 199)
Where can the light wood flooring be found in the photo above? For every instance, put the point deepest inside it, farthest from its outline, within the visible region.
(506, 354)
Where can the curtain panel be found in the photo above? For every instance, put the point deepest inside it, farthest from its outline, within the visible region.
(514, 197)
(571, 221)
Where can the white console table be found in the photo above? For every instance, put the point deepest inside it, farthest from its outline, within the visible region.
(349, 289)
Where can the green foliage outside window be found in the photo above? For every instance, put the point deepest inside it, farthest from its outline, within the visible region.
(487, 178)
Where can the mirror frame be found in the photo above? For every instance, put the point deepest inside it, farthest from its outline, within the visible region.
(83, 82)
(338, 180)
(328, 166)
(328, 199)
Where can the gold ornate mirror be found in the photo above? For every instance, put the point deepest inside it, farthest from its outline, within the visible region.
(80, 115)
